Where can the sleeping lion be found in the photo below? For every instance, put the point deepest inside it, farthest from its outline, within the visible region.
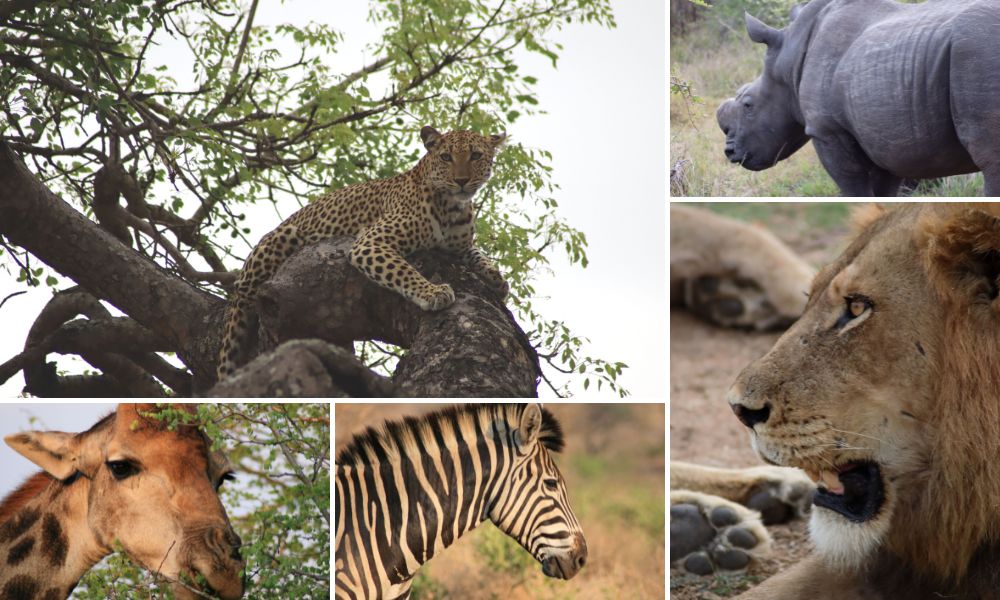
(886, 392)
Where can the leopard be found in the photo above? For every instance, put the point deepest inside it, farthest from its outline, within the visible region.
(429, 206)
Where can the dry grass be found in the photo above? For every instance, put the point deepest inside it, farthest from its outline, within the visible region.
(716, 59)
(614, 467)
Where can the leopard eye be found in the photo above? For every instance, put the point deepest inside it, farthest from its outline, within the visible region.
(446, 157)
(122, 469)
(476, 155)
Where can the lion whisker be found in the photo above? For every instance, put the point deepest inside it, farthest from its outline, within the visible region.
(871, 437)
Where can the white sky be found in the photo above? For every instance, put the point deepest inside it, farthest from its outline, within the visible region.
(605, 127)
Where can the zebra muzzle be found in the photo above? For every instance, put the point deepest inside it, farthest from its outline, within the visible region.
(566, 565)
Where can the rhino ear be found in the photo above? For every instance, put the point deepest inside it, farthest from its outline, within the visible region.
(761, 33)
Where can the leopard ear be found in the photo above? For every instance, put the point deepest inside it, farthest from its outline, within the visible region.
(430, 136)
(498, 140)
(963, 253)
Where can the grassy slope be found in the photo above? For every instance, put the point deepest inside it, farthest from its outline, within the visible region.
(716, 59)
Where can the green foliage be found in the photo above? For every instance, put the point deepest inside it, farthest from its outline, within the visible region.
(772, 12)
(425, 587)
(279, 505)
(500, 552)
(254, 124)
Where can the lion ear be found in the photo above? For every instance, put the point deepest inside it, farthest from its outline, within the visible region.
(964, 253)
(865, 215)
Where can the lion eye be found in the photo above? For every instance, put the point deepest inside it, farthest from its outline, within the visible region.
(857, 307)
(122, 469)
(446, 157)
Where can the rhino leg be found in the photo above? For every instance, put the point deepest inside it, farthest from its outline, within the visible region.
(884, 183)
(851, 169)
(992, 183)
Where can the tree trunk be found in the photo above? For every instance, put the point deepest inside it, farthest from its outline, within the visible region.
(474, 348)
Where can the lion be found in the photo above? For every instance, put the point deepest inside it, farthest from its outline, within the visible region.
(734, 274)
(886, 392)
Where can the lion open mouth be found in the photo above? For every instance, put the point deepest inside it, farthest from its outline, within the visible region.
(854, 490)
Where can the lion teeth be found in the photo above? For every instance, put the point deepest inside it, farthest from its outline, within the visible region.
(831, 481)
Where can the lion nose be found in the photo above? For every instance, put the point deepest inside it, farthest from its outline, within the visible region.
(752, 416)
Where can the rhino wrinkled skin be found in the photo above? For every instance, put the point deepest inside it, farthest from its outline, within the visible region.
(885, 91)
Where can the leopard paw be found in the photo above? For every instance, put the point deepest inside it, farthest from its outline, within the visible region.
(438, 297)
(500, 285)
(709, 534)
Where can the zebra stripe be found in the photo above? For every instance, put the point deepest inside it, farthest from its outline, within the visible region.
(410, 489)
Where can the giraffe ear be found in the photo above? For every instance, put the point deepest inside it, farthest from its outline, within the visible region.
(531, 424)
(55, 452)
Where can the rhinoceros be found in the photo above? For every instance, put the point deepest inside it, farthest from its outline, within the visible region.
(885, 91)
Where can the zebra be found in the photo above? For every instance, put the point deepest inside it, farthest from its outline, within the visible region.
(410, 489)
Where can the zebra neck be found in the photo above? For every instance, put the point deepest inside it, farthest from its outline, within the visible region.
(401, 513)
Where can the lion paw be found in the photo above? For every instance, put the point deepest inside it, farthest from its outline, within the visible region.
(709, 534)
(781, 494)
(732, 302)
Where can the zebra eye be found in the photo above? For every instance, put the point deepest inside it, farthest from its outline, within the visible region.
(551, 484)
(122, 469)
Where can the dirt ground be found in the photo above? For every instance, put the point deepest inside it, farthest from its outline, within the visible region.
(704, 361)
(615, 474)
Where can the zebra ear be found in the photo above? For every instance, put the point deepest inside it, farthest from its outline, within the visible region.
(530, 426)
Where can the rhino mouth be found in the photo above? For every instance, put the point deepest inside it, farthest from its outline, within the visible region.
(855, 490)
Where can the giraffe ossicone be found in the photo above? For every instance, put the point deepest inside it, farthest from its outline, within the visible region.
(128, 482)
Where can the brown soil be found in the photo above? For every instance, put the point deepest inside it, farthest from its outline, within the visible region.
(704, 361)
(615, 473)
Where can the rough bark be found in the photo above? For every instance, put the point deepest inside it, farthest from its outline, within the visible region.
(473, 349)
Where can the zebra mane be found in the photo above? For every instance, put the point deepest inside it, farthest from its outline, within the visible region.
(384, 441)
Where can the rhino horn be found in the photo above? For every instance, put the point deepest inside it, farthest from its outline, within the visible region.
(761, 33)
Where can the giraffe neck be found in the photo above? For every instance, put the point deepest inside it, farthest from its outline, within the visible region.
(45, 543)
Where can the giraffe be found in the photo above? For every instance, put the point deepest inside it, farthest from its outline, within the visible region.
(127, 482)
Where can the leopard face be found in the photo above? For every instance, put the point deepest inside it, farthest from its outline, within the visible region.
(459, 162)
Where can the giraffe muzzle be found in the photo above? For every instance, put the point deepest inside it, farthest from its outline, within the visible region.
(215, 555)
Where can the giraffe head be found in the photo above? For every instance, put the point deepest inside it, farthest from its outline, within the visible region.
(152, 491)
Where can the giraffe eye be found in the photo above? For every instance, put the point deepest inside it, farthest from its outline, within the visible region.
(551, 484)
(122, 469)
